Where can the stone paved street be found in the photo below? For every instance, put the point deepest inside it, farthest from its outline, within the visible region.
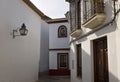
(46, 78)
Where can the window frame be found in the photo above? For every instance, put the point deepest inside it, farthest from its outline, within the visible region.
(79, 53)
(58, 60)
(59, 29)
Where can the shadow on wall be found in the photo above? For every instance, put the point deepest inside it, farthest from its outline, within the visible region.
(109, 29)
(110, 15)
(83, 39)
(43, 64)
(88, 69)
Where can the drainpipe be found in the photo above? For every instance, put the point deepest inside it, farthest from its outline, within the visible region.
(101, 27)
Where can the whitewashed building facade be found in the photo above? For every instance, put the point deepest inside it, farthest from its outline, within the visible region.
(59, 46)
(95, 40)
(20, 55)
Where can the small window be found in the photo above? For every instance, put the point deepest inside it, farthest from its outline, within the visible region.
(62, 31)
(62, 60)
(79, 61)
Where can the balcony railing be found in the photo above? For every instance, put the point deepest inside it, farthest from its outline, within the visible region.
(94, 16)
(96, 7)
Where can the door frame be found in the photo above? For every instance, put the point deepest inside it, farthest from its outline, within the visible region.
(94, 60)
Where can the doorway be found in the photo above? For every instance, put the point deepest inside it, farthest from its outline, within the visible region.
(101, 73)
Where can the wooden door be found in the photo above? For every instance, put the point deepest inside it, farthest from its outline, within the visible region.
(100, 60)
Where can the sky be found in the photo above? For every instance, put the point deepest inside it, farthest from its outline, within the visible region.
(52, 8)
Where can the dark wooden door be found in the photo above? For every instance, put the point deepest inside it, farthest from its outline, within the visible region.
(100, 60)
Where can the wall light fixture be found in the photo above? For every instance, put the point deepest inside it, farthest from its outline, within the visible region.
(22, 31)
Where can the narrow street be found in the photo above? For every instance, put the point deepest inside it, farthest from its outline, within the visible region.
(46, 78)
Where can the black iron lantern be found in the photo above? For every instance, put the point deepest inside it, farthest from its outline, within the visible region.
(23, 31)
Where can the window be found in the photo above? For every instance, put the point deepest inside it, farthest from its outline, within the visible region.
(62, 60)
(75, 15)
(79, 61)
(62, 31)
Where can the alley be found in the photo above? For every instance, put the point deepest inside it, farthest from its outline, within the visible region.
(46, 78)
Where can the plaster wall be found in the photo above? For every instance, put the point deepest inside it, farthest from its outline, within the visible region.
(54, 41)
(19, 57)
(118, 44)
(112, 32)
(87, 56)
(44, 45)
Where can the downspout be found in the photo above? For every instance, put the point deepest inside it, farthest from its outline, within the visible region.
(101, 27)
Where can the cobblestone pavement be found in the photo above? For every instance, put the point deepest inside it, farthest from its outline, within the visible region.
(47, 78)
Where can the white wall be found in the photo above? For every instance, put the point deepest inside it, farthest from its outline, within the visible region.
(112, 32)
(19, 57)
(44, 46)
(118, 45)
(87, 56)
(54, 41)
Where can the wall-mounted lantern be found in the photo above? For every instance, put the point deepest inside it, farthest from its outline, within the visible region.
(22, 31)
